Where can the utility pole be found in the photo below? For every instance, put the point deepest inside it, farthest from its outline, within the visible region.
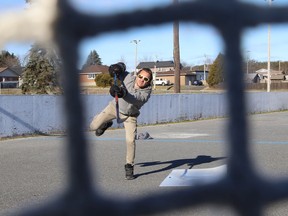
(205, 61)
(247, 59)
(154, 76)
(176, 54)
(136, 52)
(268, 62)
(155, 72)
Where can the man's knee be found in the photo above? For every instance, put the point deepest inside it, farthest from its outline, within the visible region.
(94, 124)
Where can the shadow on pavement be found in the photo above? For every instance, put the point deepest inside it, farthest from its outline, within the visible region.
(201, 159)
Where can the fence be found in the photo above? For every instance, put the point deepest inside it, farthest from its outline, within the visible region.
(263, 86)
(42, 114)
(241, 188)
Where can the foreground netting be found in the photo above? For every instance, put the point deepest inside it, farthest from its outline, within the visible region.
(241, 188)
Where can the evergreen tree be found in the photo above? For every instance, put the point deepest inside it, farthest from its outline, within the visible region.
(40, 73)
(92, 59)
(216, 72)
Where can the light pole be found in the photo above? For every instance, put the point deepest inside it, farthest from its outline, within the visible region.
(155, 72)
(268, 63)
(205, 58)
(154, 76)
(136, 52)
(247, 61)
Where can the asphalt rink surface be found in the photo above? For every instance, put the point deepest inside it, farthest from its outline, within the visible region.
(33, 169)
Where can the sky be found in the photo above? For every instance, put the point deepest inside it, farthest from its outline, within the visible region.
(198, 43)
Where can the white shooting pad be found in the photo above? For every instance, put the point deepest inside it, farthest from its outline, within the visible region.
(192, 177)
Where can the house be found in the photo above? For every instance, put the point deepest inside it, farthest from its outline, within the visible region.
(275, 75)
(88, 74)
(277, 78)
(201, 74)
(9, 77)
(165, 70)
(265, 71)
(252, 78)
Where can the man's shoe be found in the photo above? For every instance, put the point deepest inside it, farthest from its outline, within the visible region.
(129, 172)
(103, 128)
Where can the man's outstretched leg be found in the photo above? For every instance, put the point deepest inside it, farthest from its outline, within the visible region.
(103, 128)
(103, 120)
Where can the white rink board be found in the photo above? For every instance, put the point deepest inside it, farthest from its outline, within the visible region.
(192, 177)
(27, 114)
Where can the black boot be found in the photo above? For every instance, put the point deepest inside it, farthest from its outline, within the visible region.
(129, 172)
(103, 128)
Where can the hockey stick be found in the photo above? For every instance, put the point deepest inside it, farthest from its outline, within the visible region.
(116, 101)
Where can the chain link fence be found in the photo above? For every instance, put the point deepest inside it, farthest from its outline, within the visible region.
(61, 25)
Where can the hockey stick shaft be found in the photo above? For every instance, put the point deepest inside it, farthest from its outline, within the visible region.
(116, 101)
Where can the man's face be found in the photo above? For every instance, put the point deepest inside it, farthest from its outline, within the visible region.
(143, 79)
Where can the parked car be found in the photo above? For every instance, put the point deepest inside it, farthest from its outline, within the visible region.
(197, 83)
(160, 81)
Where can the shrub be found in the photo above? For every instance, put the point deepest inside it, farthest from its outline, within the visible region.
(103, 80)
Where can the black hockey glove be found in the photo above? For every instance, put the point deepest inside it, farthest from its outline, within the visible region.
(121, 91)
(117, 69)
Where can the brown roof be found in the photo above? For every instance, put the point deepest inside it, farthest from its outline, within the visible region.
(95, 69)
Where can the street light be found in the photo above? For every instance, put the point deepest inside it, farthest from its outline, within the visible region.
(155, 71)
(205, 59)
(136, 50)
(247, 61)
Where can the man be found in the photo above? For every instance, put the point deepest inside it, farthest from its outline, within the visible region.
(133, 94)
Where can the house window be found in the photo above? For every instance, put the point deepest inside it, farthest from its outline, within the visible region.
(91, 76)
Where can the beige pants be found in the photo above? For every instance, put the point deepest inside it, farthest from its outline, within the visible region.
(130, 125)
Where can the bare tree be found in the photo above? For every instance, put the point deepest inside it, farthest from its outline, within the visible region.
(9, 60)
(176, 54)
